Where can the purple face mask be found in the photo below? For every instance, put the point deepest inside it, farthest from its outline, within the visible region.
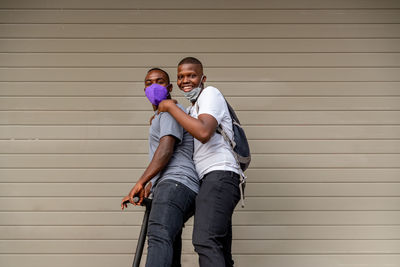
(156, 93)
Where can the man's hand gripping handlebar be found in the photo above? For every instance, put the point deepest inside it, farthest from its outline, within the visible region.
(138, 196)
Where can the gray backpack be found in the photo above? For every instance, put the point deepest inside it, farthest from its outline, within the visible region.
(239, 144)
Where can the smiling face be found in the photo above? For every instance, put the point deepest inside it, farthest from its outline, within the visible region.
(189, 76)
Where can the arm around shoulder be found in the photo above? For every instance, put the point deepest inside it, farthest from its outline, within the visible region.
(201, 128)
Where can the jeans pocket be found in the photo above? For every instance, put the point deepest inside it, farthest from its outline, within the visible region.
(180, 198)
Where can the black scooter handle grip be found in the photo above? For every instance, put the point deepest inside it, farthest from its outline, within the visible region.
(145, 202)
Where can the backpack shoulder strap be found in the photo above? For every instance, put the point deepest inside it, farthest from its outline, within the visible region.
(232, 112)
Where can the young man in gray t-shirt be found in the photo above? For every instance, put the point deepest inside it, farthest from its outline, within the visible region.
(172, 174)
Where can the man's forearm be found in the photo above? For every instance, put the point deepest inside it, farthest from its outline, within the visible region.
(195, 127)
(160, 159)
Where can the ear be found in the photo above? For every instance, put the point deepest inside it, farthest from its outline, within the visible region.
(204, 79)
(169, 87)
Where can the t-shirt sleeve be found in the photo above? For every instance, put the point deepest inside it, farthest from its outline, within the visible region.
(169, 126)
(212, 102)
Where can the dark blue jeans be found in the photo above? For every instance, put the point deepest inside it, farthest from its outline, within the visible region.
(212, 233)
(173, 204)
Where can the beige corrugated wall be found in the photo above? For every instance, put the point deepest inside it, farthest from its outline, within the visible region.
(316, 84)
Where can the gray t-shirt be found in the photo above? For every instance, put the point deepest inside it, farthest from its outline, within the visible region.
(181, 166)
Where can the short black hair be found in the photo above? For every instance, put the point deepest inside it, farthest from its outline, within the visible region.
(191, 60)
(163, 71)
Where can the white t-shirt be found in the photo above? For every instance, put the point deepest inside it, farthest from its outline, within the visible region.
(216, 154)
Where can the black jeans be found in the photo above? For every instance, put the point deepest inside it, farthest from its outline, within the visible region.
(212, 233)
(172, 205)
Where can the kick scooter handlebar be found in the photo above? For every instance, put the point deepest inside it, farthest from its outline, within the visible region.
(146, 201)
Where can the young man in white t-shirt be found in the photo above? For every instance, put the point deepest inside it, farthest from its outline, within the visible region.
(217, 168)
